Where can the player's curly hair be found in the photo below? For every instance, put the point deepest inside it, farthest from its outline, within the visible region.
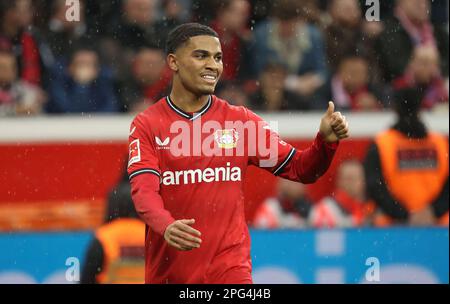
(179, 35)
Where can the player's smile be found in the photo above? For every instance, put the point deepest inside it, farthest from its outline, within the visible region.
(210, 78)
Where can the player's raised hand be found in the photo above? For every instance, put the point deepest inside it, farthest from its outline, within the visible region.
(333, 125)
(182, 236)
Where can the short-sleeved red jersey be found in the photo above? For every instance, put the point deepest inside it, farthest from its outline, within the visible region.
(201, 160)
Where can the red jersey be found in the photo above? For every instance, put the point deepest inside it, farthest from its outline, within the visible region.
(200, 160)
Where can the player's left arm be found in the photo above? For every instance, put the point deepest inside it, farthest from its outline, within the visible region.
(306, 165)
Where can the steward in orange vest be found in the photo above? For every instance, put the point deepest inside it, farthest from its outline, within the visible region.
(407, 169)
(116, 254)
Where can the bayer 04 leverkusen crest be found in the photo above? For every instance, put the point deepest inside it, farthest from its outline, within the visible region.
(226, 139)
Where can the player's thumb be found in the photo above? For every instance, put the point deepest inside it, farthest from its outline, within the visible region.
(330, 109)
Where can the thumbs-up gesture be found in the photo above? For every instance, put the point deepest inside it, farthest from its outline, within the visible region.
(333, 125)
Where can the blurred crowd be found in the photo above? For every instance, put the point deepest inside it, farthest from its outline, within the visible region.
(279, 55)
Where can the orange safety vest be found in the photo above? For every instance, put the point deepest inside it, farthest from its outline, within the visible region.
(414, 170)
(123, 242)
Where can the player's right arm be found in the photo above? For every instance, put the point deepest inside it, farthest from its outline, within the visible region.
(144, 174)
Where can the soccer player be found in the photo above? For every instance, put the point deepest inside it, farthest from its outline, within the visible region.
(187, 166)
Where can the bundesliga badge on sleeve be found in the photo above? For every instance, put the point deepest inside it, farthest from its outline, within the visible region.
(134, 153)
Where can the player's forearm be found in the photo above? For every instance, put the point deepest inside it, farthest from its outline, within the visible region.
(310, 164)
(148, 202)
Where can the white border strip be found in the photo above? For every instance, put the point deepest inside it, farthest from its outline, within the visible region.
(204, 110)
(116, 127)
(169, 102)
(285, 161)
(144, 171)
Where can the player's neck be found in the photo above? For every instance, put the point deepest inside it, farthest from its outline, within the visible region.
(187, 101)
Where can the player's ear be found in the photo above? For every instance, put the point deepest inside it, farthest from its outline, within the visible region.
(172, 62)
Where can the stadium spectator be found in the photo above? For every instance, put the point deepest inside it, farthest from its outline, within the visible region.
(61, 33)
(231, 25)
(423, 73)
(311, 12)
(272, 96)
(116, 253)
(17, 97)
(289, 209)
(174, 12)
(410, 27)
(347, 31)
(201, 11)
(14, 21)
(80, 84)
(347, 206)
(288, 38)
(350, 87)
(233, 92)
(260, 10)
(136, 27)
(99, 15)
(149, 81)
(407, 167)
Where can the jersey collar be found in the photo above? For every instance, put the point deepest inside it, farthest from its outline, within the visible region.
(189, 115)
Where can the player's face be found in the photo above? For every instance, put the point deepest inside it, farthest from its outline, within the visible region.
(199, 64)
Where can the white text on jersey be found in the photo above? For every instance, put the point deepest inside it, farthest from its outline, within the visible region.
(209, 175)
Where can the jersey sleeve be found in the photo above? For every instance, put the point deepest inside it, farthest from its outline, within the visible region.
(283, 160)
(271, 153)
(145, 177)
(142, 157)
